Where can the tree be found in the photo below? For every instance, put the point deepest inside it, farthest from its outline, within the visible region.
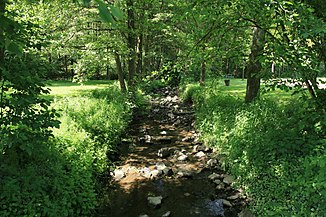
(253, 68)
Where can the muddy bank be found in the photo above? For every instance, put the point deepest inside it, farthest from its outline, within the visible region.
(167, 171)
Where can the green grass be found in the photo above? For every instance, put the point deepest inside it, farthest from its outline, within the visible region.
(68, 88)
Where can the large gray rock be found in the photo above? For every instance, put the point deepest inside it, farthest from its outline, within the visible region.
(155, 202)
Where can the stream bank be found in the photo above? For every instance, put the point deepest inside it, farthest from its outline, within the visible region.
(167, 171)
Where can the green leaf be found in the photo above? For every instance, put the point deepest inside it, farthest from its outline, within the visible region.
(117, 12)
(14, 48)
(104, 12)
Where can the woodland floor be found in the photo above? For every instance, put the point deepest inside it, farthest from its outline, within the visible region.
(167, 171)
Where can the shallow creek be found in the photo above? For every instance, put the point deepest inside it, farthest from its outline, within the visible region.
(167, 171)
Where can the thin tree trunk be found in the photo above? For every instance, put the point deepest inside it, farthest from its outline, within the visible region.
(2, 50)
(120, 72)
(131, 43)
(139, 69)
(254, 67)
(203, 73)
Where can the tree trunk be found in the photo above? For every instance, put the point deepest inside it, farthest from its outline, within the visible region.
(203, 73)
(120, 72)
(254, 67)
(131, 43)
(139, 69)
(2, 50)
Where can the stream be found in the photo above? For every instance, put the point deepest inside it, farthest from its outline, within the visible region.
(167, 171)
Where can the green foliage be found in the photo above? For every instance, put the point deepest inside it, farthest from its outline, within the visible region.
(276, 151)
(92, 126)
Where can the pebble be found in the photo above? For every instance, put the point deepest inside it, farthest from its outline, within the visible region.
(155, 202)
(167, 214)
(200, 154)
(227, 203)
(228, 180)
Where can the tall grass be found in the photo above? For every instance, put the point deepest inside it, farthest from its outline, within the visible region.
(276, 150)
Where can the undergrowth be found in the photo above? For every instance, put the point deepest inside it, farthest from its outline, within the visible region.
(61, 176)
(276, 150)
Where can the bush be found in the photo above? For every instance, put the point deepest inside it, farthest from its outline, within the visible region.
(60, 176)
(276, 151)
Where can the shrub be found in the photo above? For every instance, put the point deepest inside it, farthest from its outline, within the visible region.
(60, 177)
(276, 151)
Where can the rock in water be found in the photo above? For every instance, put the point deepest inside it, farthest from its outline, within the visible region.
(155, 202)
(160, 166)
(216, 207)
(227, 203)
(164, 152)
(168, 172)
(118, 174)
(228, 180)
(167, 214)
(200, 154)
(182, 157)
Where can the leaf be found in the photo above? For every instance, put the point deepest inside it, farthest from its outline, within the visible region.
(104, 12)
(117, 12)
(14, 48)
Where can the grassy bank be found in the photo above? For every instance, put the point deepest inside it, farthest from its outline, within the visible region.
(275, 147)
(62, 176)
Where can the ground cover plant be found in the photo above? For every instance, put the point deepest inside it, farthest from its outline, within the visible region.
(275, 147)
(62, 175)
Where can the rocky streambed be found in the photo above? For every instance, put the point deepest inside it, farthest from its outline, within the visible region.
(167, 171)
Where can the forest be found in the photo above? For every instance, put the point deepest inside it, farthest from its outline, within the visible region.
(87, 86)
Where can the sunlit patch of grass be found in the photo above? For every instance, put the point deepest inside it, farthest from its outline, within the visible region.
(68, 88)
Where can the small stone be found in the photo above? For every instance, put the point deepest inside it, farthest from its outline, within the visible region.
(160, 166)
(155, 173)
(148, 138)
(200, 154)
(228, 180)
(198, 148)
(168, 172)
(167, 214)
(146, 172)
(211, 162)
(217, 181)
(155, 202)
(177, 122)
(182, 157)
(233, 197)
(164, 152)
(227, 203)
(187, 194)
(220, 186)
(163, 133)
(144, 215)
(186, 139)
(118, 174)
(213, 176)
(184, 174)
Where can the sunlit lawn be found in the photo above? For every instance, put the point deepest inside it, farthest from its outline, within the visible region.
(237, 88)
(68, 88)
